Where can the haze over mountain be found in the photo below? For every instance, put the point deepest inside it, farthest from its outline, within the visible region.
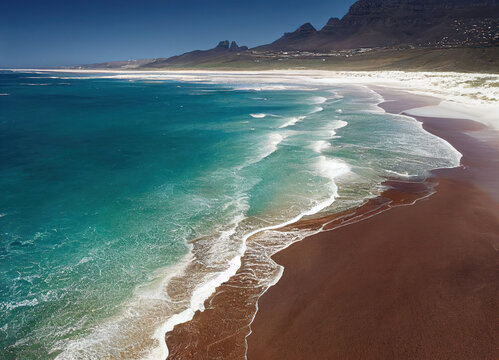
(370, 26)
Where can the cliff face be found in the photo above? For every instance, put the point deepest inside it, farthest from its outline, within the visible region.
(374, 23)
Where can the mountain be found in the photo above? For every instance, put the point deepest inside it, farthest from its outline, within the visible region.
(223, 50)
(422, 23)
(444, 35)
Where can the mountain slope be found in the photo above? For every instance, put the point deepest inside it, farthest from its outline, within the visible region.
(222, 51)
(375, 23)
(450, 35)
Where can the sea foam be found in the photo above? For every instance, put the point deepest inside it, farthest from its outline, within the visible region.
(258, 116)
(337, 125)
(292, 121)
(328, 170)
(270, 146)
(320, 145)
(316, 110)
(318, 99)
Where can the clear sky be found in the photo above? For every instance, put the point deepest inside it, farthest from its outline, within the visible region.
(44, 33)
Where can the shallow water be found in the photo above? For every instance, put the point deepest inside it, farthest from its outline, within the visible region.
(126, 202)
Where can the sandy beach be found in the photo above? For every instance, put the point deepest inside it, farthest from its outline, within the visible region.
(178, 183)
(415, 281)
(408, 274)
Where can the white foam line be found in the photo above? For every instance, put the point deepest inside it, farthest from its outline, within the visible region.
(23, 303)
(335, 95)
(331, 169)
(272, 88)
(75, 349)
(381, 99)
(338, 125)
(449, 85)
(316, 110)
(274, 140)
(318, 100)
(258, 116)
(458, 155)
(292, 121)
(405, 174)
(319, 146)
(375, 212)
(40, 77)
(272, 283)
(206, 290)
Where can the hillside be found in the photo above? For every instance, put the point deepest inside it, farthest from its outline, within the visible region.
(420, 23)
(445, 35)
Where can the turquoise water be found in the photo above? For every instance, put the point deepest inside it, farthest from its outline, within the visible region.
(111, 186)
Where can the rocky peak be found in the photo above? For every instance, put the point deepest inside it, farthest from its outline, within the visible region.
(235, 47)
(306, 29)
(223, 44)
(303, 31)
(332, 24)
(232, 46)
(392, 23)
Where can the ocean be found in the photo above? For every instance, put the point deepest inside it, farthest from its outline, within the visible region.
(125, 200)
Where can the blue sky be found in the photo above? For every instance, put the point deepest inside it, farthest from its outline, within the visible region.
(55, 32)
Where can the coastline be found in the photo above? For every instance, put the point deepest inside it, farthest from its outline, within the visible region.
(417, 282)
(221, 330)
(470, 93)
(222, 326)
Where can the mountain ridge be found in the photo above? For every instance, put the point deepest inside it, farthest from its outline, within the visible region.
(375, 23)
(385, 29)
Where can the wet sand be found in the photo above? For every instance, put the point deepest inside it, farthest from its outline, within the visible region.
(220, 331)
(416, 281)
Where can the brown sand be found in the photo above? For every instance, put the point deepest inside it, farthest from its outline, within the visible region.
(417, 282)
(220, 331)
(414, 282)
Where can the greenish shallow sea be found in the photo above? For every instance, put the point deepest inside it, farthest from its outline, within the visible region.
(106, 184)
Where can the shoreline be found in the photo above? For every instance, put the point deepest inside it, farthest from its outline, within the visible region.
(208, 333)
(416, 282)
(221, 329)
(404, 192)
(468, 93)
